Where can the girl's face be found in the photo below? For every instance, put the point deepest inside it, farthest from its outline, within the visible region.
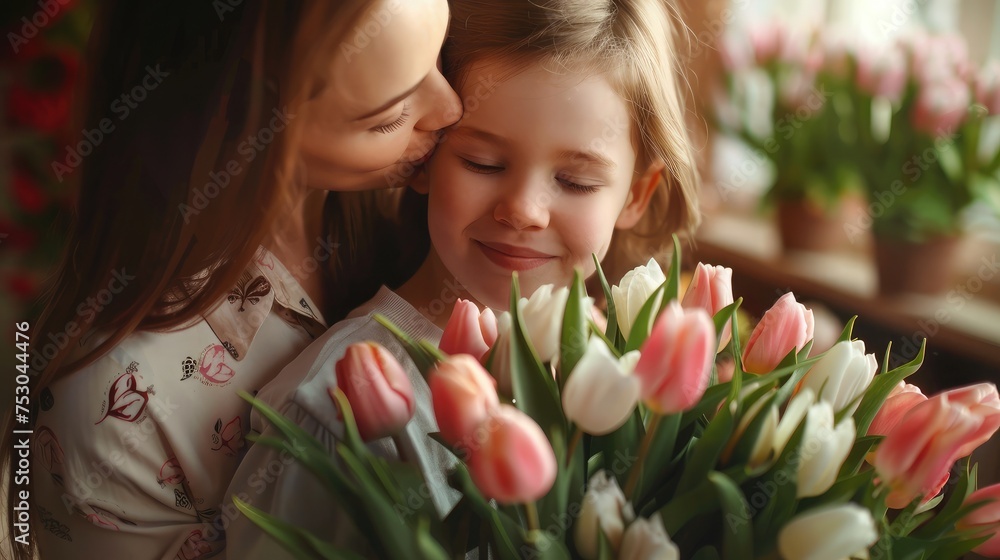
(535, 178)
(386, 99)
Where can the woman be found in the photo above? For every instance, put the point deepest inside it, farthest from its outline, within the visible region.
(206, 252)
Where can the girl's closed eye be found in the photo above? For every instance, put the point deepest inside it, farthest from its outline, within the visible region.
(575, 187)
(481, 168)
(395, 124)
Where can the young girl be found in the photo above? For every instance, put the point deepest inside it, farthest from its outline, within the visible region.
(196, 265)
(572, 143)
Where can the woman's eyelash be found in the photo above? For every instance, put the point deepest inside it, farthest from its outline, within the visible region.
(394, 125)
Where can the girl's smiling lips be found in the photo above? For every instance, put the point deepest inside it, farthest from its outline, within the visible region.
(512, 257)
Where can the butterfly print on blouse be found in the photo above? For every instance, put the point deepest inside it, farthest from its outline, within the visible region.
(249, 290)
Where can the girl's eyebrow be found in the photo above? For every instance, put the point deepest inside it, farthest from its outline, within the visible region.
(480, 134)
(589, 158)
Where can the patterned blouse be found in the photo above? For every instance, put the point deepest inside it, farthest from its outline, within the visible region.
(133, 453)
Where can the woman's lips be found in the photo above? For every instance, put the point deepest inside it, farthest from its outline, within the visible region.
(511, 257)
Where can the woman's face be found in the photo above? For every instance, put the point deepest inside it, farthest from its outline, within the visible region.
(379, 116)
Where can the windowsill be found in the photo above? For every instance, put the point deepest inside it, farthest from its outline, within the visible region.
(970, 327)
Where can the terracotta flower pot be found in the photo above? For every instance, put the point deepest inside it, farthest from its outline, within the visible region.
(804, 226)
(921, 268)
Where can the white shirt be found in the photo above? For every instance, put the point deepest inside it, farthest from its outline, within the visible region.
(274, 482)
(133, 453)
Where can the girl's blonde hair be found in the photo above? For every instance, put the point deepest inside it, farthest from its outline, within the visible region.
(632, 43)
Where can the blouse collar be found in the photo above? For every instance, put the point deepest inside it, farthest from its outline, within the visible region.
(265, 282)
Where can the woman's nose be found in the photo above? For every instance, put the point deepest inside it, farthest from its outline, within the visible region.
(442, 106)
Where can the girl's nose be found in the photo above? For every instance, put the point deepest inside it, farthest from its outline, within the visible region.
(524, 206)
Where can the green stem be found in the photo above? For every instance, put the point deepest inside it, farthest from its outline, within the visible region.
(577, 436)
(636, 474)
(531, 512)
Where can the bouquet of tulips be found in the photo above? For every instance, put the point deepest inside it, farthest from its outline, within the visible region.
(630, 440)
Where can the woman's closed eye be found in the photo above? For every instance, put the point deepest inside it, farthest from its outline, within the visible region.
(394, 125)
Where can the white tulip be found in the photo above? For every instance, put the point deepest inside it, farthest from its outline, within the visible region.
(601, 392)
(764, 444)
(633, 291)
(604, 509)
(828, 533)
(543, 319)
(795, 412)
(646, 539)
(842, 375)
(823, 451)
(500, 365)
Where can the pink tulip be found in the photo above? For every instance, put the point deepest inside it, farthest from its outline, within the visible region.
(941, 106)
(468, 331)
(766, 42)
(515, 462)
(988, 88)
(378, 389)
(915, 457)
(464, 396)
(711, 289)
(902, 398)
(986, 517)
(882, 72)
(786, 326)
(676, 360)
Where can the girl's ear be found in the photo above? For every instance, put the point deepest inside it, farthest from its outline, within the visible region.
(639, 195)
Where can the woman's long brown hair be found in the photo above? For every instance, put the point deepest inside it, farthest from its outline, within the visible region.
(146, 217)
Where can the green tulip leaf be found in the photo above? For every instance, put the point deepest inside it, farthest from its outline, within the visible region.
(612, 332)
(700, 499)
(423, 359)
(724, 317)
(660, 454)
(298, 541)
(427, 544)
(737, 537)
(856, 458)
(644, 320)
(845, 335)
(673, 283)
(507, 536)
(705, 454)
(574, 330)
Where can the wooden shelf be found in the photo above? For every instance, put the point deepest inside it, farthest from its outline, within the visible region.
(957, 324)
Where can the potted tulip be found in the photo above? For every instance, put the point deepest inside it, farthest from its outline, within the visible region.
(921, 114)
(794, 81)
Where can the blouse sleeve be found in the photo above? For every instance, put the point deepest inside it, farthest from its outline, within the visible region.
(103, 463)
